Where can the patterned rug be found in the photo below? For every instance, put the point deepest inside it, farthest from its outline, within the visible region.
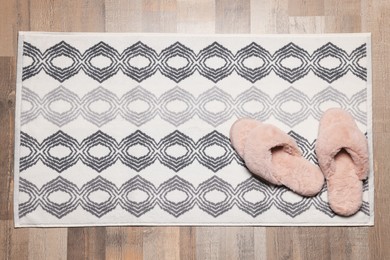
(132, 129)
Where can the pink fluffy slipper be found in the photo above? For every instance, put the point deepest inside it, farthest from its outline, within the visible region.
(274, 156)
(239, 131)
(342, 153)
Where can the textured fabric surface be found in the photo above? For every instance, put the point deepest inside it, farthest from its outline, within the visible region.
(133, 129)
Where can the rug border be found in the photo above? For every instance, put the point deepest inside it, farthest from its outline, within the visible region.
(190, 35)
(371, 181)
(19, 65)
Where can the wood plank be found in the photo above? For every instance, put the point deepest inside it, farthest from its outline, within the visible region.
(13, 242)
(341, 8)
(159, 16)
(71, 15)
(377, 23)
(7, 111)
(298, 243)
(22, 17)
(161, 243)
(7, 20)
(311, 243)
(227, 243)
(124, 243)
(379, 235)
(375, 17)
(260, 242)
(280, 242)
(123, 16)
(307, 24)
(195, 16)
(269, 16)
(47, 243)
(232, 16)
(239, 243)
(210, 242)
(342, 24)
(86, 243)
(318, 243)
(187, 243)
(348, 243)
(306, 8)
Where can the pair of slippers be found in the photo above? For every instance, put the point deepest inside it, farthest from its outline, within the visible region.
(341, 149)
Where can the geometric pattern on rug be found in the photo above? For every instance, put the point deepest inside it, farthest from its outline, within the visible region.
(270, 106)
(155, 151)
(191, 196)
(194, 62)
(227, 189)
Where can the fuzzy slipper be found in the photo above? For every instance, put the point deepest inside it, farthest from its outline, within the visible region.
(342, 152)
(239, 131)
(274, 156)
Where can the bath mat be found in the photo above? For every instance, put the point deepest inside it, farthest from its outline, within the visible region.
(132, 129)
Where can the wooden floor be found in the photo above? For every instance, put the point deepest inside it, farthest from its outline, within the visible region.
(198, 16)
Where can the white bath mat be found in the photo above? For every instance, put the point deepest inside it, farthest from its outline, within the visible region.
(132, 129)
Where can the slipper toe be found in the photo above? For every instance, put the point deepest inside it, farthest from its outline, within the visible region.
(302, 177)
(273, 155)
(345, 190)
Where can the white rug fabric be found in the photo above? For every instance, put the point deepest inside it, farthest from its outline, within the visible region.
(133, 129)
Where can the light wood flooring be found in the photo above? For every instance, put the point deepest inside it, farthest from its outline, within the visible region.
(198, 16)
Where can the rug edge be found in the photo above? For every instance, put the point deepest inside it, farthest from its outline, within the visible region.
(18, 100)
(370, 130)
(159, 34)
(17, 146)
